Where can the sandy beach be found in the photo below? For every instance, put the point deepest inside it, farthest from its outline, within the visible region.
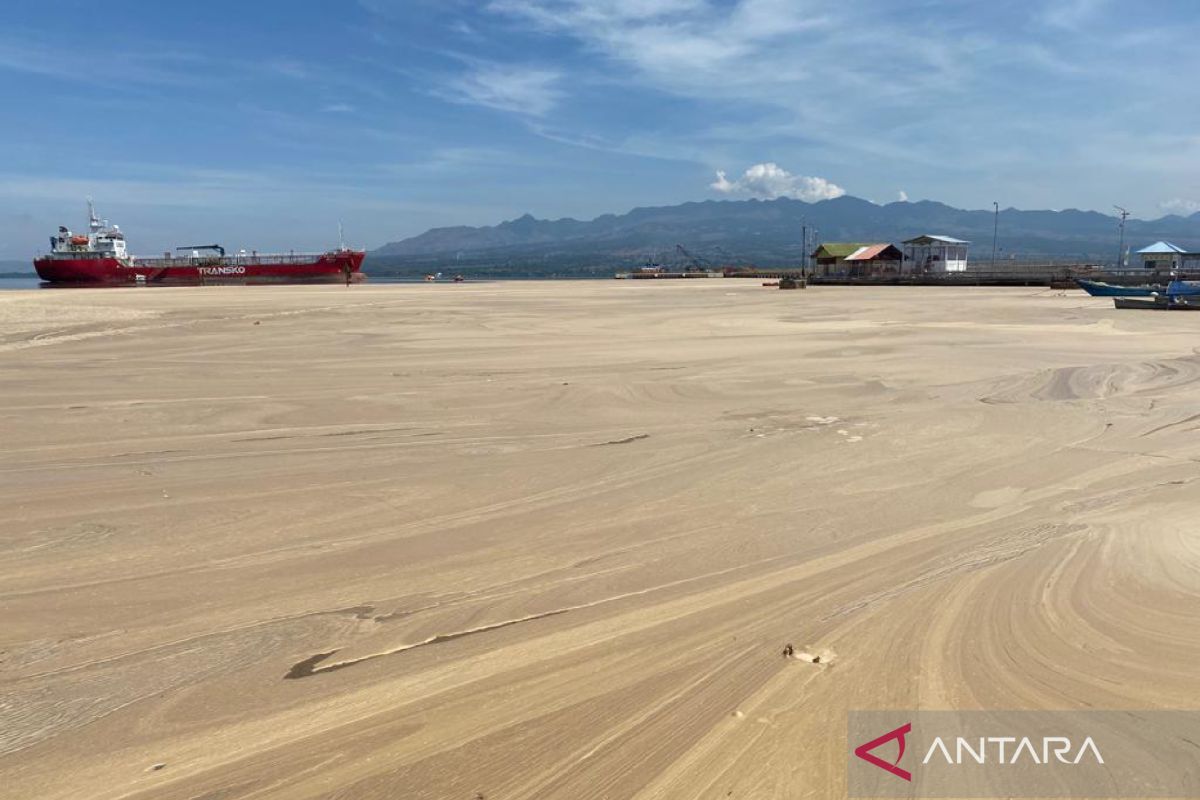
(549, 539)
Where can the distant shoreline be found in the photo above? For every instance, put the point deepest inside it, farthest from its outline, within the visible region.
(29, 280)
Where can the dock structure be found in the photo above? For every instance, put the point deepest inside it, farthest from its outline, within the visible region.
(661, 274)
(770, 273)
(936, 260)
(1032, 275)
(934, 253)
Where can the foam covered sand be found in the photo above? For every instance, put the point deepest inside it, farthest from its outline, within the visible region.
(549, 540)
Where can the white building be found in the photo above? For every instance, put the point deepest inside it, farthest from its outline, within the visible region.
(1162, 256)
(931, 253)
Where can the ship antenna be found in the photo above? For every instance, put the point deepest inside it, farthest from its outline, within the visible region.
(93, 220)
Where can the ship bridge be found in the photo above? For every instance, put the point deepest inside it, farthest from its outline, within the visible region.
(102, 240)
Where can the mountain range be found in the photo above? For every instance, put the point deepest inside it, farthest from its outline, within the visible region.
(769, 232)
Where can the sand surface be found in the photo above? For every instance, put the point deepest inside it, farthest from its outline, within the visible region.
(548, 540)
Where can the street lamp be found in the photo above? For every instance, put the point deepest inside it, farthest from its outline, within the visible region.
(995, 233)
(1121, 246)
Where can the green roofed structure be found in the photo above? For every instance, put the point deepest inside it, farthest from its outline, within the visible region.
(830, 256)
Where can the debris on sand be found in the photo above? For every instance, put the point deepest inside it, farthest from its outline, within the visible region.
(626, 440)
(822, 657)
(155, 767)
(789, 651)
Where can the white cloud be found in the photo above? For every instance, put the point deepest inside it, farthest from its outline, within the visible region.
(769, 181)
(338, 108)
(1180, 206)
(530, 91)
(690, 47)
(902, 196)
(783, 63)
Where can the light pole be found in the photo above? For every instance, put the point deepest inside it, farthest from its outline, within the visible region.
(804, 248)
(995, 233)
(1121, 246)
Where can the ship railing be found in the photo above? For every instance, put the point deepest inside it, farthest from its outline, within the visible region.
(231, 260)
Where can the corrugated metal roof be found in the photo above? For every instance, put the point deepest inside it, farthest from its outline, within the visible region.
(868, 252)
(1162, 247)
(935, 239)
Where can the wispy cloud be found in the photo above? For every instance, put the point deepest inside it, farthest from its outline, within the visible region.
(113, 66)
(525, 90)
(793, 60)
(769, 181)
(980, 91)
(1071, 14)
(288, 67)
(681, 45)
(1180, 206)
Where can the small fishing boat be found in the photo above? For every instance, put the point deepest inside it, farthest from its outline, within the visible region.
(1159, 303)
(1178, 288)
(1102, 289)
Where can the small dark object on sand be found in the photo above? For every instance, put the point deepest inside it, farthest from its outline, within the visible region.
(789, 651)
(256, 322)
(816, 659)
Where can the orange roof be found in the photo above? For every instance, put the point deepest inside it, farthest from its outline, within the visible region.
(868, 252)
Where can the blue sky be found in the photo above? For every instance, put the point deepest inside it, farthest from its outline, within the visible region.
(261, 124)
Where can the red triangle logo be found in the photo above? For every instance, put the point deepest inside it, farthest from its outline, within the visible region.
(864, 752)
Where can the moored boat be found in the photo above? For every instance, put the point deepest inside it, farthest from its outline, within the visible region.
(1178, 288)
(1159, 303)
(100, 257)
(1102, 289)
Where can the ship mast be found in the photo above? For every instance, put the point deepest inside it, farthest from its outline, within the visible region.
(93, 221)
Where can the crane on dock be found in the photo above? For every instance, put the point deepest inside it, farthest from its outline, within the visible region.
(695, 263)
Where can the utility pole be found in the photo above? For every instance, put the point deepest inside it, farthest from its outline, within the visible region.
(1121, 246)
(804, 247)
(995, 234)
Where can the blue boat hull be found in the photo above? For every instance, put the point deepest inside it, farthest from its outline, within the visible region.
(1101, 289)
(1183, 289)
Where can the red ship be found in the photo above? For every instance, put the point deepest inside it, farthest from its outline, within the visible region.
(100, 257)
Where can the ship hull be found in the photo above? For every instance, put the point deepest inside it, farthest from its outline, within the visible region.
(328, 267)
(1101, 289)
